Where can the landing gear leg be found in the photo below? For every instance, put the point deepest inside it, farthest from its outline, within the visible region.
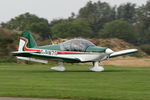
(60, 67)
(96, 67)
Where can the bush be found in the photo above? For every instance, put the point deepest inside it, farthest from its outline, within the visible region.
(146, 48)
(9, 59)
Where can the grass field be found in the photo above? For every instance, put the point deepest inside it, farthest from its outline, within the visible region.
(116, 83)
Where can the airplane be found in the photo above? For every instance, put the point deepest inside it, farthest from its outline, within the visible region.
(71, 51)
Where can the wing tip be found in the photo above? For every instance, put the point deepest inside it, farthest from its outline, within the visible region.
(123, 52)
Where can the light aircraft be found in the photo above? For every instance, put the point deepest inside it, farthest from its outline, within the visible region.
(72, 51)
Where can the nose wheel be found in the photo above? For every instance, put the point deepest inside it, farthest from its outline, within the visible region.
(96, 67)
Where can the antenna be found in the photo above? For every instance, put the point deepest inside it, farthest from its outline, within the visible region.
(51, 40)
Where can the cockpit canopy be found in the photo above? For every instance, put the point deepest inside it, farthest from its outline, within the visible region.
(75, 45)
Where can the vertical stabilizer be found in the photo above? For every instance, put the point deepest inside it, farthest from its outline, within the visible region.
(26, 41)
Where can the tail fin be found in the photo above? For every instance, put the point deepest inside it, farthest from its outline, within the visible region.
(26, 42)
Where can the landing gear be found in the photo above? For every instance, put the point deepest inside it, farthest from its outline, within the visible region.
(60, 67)
(96, 67)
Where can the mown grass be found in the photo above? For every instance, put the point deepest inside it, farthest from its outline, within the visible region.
(115, 83)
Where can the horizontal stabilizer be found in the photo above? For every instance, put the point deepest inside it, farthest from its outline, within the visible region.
(123, 52)
(23, 53)
(33, 59)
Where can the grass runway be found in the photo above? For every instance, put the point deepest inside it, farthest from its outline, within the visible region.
(115, 83)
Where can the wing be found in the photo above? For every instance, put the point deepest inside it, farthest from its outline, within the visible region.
(123, 52)
(37, 55)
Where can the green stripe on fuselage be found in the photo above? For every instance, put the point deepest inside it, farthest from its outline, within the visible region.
(50, 47)
(95, 49)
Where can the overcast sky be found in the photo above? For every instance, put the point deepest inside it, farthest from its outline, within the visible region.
(49, 9)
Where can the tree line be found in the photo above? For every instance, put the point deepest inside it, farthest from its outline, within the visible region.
(95, 20)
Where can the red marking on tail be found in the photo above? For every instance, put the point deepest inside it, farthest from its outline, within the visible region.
(28, 49)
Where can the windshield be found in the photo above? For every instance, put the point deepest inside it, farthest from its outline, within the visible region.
(75, 45)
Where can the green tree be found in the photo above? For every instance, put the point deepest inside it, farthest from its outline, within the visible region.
(127, 12)
(118, 29)
(143, 24)
(56, 21)
(40, 28)
(75, 28)
(97, 14)
(29, 21)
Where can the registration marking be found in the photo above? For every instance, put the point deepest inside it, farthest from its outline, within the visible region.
(49, 52)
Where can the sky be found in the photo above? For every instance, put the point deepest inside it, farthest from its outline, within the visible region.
(49, 9)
